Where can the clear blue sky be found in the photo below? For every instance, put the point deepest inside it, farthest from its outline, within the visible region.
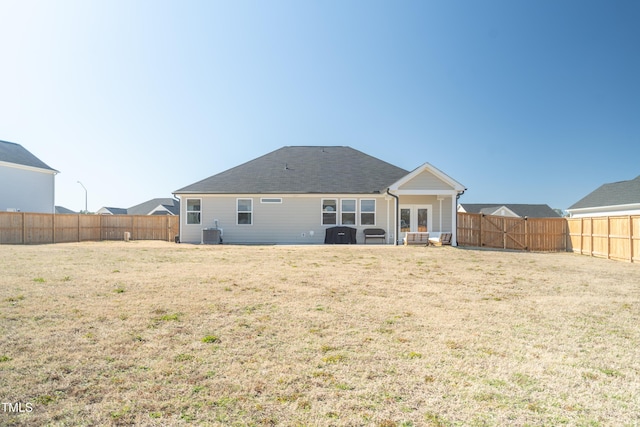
(521, 101)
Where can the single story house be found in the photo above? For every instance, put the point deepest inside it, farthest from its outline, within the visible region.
(513, 210)
(160, 206)
(106, 210)
(613, 199)
(63, 210)
(28, 184)
(294, 194)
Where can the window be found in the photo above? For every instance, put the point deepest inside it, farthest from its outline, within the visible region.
(367, 212)
(245, 211)
(348, 212)
(329, 211)
(271, 200)
(193, 211)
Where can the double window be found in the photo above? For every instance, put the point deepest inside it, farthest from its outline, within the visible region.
(348, 213)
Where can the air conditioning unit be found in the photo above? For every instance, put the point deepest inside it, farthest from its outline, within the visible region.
(211, 236)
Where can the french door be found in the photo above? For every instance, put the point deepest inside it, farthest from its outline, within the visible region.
(414, 218)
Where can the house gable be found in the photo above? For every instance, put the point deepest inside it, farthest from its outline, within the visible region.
(510, 209)
(427, 177)
(160, 206)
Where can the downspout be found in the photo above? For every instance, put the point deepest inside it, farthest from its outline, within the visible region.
(456, 225)
(395, 233)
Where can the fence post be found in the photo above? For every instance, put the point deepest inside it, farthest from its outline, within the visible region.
(591, 232)
(608, 237)
(630, 239)
(581, 236)
(504, 233)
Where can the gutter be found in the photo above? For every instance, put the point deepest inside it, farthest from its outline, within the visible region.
(395, 233)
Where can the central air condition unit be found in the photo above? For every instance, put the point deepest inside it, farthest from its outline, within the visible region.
(211, 236)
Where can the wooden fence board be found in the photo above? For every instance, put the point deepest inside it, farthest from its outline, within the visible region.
(616, 237)
(36, 228)
(535, 234)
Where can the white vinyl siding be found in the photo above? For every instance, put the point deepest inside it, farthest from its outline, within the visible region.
(31, 190)
(294, 221)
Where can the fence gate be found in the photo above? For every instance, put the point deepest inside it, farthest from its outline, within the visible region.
(492, 231)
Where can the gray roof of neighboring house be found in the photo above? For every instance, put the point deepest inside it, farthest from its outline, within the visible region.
(172, 205)
(63, 210)
(612, 194)
(530, 211)
(304, 170)
(11, 152)
(116, 211)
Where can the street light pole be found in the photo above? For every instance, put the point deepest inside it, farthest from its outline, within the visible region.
(85, 198)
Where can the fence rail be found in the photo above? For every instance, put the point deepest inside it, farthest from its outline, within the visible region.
(37, 228)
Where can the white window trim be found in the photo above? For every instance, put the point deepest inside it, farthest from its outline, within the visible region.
(360, 212)
(322, 211)
(238, 211)
(355, 212)
(186, 207)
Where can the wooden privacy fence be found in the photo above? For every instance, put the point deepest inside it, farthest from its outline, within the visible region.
(37, 228)
(614, 237)
(529, 234)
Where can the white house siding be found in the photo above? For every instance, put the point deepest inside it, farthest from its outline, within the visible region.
(621, 210)
(297, 220)
(27, 189)
(425, 180)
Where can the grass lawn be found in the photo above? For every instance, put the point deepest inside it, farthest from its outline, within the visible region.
(154, 333)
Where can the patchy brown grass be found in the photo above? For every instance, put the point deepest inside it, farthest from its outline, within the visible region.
(153, 333)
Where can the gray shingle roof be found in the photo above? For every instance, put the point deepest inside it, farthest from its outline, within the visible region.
(15, 153)
(172, 205)
(530, 211)
(303, 170)
(612, 194)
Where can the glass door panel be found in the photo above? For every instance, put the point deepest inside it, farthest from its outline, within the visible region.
(423, 216)
(405, 220)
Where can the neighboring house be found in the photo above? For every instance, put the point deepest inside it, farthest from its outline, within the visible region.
(292, 195)
(616, 198)
(27, 184)
(63, 210)
(111, 211)
(166, 206)
(513, 210)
